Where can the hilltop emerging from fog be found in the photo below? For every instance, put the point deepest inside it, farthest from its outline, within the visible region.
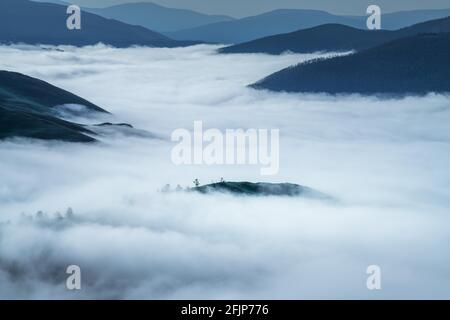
(260, 189)
(415, 65)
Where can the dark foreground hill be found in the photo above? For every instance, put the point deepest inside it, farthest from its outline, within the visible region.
(333, 37)
(28, 109)
(24, 124)
(414, 65)
(260, 189)
(23, 21)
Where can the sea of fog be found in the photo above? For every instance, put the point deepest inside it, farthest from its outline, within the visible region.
(386, 161)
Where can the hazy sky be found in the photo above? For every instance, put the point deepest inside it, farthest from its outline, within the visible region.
(249, 7)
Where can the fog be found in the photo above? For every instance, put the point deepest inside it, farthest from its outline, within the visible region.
(384, 160)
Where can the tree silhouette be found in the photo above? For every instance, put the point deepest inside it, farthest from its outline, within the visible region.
(196, 183)
(166, 188)
(69, 213)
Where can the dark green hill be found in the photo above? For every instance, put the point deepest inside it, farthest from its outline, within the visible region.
(32, 94)
(14, 123)
(27, 109)
(414, 65)
(260, 189)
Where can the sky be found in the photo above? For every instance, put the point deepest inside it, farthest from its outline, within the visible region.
(240, 8)
(384, 161)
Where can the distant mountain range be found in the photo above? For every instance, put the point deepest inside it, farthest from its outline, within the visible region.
(188, 25)
(401, 19)
(23, 21)
(285, 21)
(149, 24)
(333, 37)
(156, 17)
(271, 23)
(28, 108)
(412, 65)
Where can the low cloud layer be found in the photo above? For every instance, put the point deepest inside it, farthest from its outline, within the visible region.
(385, 160)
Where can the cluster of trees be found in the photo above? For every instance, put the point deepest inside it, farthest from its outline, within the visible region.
(58, 216)
(167, 188)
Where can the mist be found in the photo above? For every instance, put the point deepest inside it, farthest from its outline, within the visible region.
(384, 160)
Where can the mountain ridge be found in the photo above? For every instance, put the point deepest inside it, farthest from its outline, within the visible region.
(290, 20)
(45, 23)
(269, 23)
(28, 108)
(333, 37)
(157, 17)
(414, 65)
